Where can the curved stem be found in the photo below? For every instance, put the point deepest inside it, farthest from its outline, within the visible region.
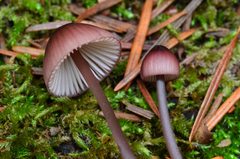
(165, 120)
(104, 104)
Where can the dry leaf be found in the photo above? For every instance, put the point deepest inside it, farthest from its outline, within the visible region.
(224, 143)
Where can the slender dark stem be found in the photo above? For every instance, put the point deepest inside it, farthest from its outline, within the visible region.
(165, 120)
(104, 104)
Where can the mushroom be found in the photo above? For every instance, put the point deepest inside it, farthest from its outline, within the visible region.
(160, 65)
(77, 57)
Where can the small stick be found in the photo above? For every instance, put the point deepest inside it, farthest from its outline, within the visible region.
(37, 71)
(55, 25)
(148, 97)
(47, 26)
(225, 107)
(120, 115)
(214, 85)
(165, 23)
(159, 9)
(30, 50)
(140, 37)
(171, 43)
(128, 45)
(103, 26)
(140, 111)
(96, 8)
(113, 23)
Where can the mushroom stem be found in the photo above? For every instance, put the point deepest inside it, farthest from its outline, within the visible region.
(165, 120)
(104, 104)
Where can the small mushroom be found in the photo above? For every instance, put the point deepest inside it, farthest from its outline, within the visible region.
(77, 57)
(160, 66)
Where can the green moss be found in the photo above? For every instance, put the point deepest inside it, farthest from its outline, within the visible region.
(30, 111)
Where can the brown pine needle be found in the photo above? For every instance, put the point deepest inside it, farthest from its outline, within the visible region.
(165, 23)
(171, 43)
(218, 157)
(213, 85)
(174, 41)
(30, 50)
(148, 97)
(96, 8)
(129, 77)
(7, 53)
(224, 108)
(140, 37)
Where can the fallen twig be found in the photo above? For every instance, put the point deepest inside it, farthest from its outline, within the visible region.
(120, 115)
(37, 71)
(128, 45)
(113, 23)
(140, 111)
(55, 25)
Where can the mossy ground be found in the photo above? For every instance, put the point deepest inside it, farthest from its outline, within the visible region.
(31, 113)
